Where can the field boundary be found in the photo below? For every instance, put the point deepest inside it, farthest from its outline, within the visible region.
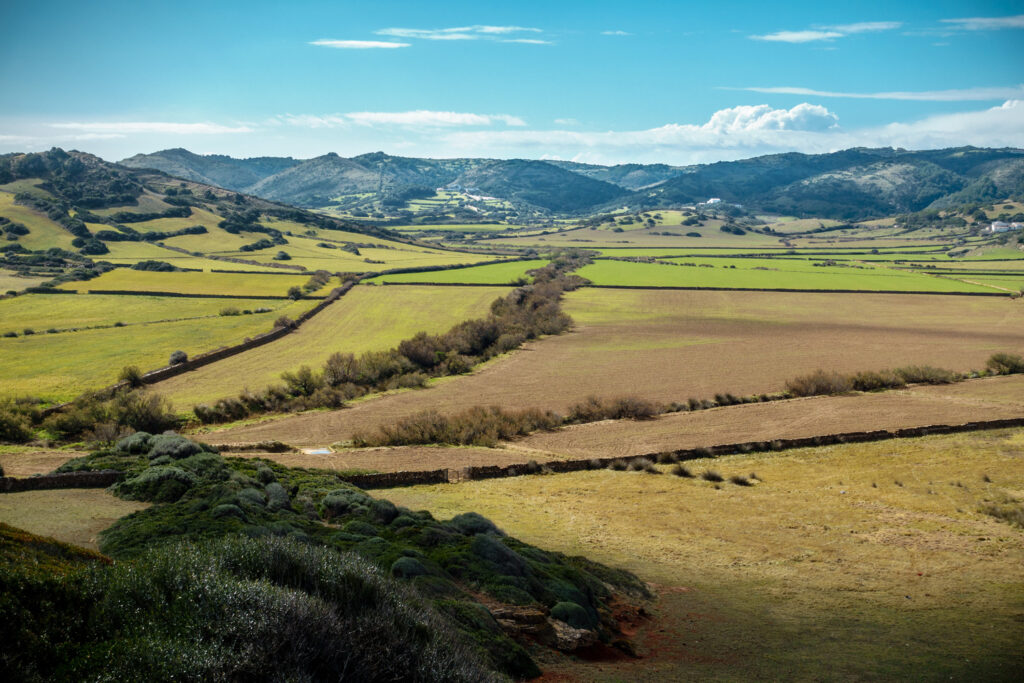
(451, 476)
(801, 291)
(135, 292)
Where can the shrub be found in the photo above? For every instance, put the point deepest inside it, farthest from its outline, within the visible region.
(157, 484)
(819, 383)
(1005, 364)
(740, 481)
(14, 427)
(681, 470)
(572, 614)
(926, 374)
(408, 568)
(711, 475)
(132, 375)
(877, 381)
(618, 465)
(178, 357)
(229, 311)
(282, 256)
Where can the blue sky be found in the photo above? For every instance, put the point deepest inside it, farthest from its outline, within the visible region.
(604, 82)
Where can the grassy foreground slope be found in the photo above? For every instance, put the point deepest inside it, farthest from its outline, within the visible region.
(868, 561)
(365, 319)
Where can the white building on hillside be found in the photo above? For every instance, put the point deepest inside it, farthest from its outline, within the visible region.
(1003, 226)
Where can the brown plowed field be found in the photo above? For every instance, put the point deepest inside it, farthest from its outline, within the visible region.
(671, 345)
(26, 462)
(402, 459)
(981, 399)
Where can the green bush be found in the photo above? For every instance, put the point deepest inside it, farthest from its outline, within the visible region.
(14, 427)
(572, 614)
(1005, 364)
(157, 484)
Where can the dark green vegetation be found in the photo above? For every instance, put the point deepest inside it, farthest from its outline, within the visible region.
(527, 313)
(238, 557)
(851, 184)
(227, 609)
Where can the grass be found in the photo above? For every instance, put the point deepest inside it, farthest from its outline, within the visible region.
(777, 275)
(365, 319)
(491, 274)
(75, 516)
(60, 366)
(62, 312)
(43, 233)
(825, 581)
(10, 281)
(249, 284)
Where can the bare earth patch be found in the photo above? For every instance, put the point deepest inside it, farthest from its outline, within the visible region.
(24, 462)
(71, 515)
(671, 345)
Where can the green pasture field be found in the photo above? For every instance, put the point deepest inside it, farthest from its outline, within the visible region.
(801, 224)
(1016, 265)
(1008, 253)
(28, 185)
(61, 366)
(10, 281)
(41, 312)
(305, 252)
(199, 217)
(365, 319)
(147, 203)
(490, 274)
(587, 238)
(455, 227)
(246, 284)
(779, 275)
(43, 233)
(130, 253)
(775, 251)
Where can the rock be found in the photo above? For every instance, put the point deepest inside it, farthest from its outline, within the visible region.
(567, 638)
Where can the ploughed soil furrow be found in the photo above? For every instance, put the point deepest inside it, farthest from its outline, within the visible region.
(670, 346)
(982, 399)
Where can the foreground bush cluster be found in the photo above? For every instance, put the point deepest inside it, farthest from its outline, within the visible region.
(526, 313)
(239, 561)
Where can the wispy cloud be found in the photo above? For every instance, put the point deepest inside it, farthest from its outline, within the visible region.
(475, 32)
(866, 27)
(528, 41)
(616, 33)
(986, 23)
(136, 127)
(357, 44)
(954, 95)
(420, 118)
(566, 122)
(798, 36)
(827, 33)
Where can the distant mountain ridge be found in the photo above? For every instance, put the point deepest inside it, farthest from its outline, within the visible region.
(849, 184)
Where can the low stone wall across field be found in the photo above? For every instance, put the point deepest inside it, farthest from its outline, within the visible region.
(800, 291)
(71, 480)
(386, 480)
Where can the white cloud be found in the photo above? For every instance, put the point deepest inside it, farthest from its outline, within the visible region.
(528, 41)
(866, 26)
(955, 95)
(566, 122)
(798, 36)
(746, 131)
(986, 23)
(475, 32)
(135, 127)
(358, 44)
(828, 33)
(416, 118)
(616, 33)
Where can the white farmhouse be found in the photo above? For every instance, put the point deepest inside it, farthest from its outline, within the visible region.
(714, 200)
(1003, 226)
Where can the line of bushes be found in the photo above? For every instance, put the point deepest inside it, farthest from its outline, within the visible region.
(822, 383)
(526, 313)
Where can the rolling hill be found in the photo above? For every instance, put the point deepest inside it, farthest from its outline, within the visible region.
(847, 185)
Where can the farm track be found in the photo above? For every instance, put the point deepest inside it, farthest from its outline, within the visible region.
(669, 346)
